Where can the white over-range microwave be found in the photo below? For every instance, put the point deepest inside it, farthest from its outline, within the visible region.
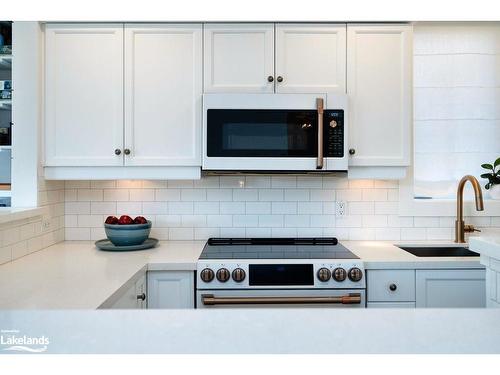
(273, 133)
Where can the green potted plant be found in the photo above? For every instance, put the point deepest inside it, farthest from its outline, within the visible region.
(493, 178)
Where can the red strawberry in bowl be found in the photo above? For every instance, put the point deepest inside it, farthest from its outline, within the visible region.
(125, 220)
(140, 220)
(111, 220)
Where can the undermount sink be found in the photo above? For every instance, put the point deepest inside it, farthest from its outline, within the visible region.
(436, 251)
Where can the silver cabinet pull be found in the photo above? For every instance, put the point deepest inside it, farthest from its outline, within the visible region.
(319, 106)
(211, 300)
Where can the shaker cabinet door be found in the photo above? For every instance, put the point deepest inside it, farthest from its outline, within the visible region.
(379, 85)
(310, 58)
(170, 289)
(83, 94)
(239, 58)
(163, 94)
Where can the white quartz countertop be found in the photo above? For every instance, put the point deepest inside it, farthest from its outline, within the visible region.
(314, 331)
(487, 245)
(75, 275)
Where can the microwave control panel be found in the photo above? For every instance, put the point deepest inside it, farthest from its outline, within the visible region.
(333, 125)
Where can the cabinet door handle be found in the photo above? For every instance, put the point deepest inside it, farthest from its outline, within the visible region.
(279, 79)
(352, 151)
(270, 79)
(126, 151)
(142, 296)
(118, 151)
(393, 287)
(319, 106)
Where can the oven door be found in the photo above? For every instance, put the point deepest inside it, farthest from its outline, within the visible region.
(274, 132)
(289, 298)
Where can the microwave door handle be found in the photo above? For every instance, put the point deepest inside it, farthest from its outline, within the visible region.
(349, 299)
(319, 107)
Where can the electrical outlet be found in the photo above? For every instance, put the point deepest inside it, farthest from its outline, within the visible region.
(46, 224)
(340, 208)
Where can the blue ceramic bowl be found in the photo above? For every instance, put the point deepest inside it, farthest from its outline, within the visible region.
(127, 235)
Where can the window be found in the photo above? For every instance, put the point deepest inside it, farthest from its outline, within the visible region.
(456, 105)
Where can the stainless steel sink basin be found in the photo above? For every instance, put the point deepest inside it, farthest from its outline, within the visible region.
(435, 251)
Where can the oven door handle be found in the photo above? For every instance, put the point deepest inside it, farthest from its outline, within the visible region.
(350, 299)
(319, 107)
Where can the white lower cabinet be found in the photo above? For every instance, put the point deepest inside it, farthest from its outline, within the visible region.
(389, 286)
(133, 297)
(443, 288)
(451, 288)
(170, 289)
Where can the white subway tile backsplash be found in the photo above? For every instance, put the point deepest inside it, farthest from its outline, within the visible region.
(309, 208)
(283, 181)
(323, 195)
(232, 207)
(193, 195)
(167, 195)
(297, 195)
(180, 183)
(116, 195)
(245, 220)
(257, 232)
(284, 207)
(140, 195)
(413, 233)
(77, 208)
(322, 221)
(128, 184)
(220, 220)
(180, 208)
(270, 221)
(207, 208)
(311, 182)
(195, 221)
(297, 220)
(219, 195)
(426, 221)
(105, 208)
(258, 207)
(245, 195)
(235, 206)
(129, 208)
(272, 195)
(180, 234)
(258, 181)
(232, 182)
(168, 221)
(154, 208)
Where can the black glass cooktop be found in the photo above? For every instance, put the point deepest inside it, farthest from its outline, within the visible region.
(275, 248)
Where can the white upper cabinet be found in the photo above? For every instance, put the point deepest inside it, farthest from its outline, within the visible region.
(83, 94)
(310, 58)
(163, 93)
(379, 86)
(239, 58)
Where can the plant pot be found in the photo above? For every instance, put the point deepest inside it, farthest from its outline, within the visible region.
(495, 192)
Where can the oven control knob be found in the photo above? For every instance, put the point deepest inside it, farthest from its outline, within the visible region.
(324, 274)
(355, 274)
(223, 275)
(207, 275)
(239, 275)
(339, 274)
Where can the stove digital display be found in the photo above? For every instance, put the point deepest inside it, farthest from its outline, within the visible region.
(280, 274)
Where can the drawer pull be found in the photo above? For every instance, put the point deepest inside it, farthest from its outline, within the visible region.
(393, 287)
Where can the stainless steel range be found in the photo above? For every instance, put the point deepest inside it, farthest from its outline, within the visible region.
(285, 272)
